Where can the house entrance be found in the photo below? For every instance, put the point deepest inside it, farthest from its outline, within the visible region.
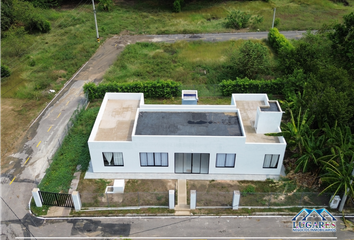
(192, 163)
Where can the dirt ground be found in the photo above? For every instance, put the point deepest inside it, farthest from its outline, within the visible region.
(16, 115)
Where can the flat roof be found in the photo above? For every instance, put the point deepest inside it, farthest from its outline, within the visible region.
(248, 110)
(117, 121)
(188, 123)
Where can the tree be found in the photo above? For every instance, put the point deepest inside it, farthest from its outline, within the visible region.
(295, 130)
(250, 60)
(329, 96)
(343, 42)
(313, 149)
(339, 176)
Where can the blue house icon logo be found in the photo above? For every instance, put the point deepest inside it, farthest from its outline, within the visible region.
(314, 220)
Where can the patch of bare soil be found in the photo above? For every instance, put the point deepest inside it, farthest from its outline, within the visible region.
(16, 115)
(213, 185)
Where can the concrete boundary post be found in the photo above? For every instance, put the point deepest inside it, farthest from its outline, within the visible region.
(236, 200)
(193, 203)
(171, 199)
(76, 200)
(36, 197)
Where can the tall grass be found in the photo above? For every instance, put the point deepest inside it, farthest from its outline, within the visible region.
(191, 63)
(71, 41)
(73, 151)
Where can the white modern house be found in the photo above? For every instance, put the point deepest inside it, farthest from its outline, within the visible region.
(131, 139)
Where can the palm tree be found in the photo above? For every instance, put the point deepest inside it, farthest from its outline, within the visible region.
(313, 150)
(339, 175)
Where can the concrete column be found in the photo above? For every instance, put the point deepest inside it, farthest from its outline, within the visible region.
(36, 197)
(171, 199)
(76, 200)
(193, 200)
(236, 200)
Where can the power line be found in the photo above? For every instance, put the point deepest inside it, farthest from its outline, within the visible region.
(18, 218)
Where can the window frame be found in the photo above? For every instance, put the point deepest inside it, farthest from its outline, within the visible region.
(271, 160)
(108, 165)
(224, 165)
(154, 159)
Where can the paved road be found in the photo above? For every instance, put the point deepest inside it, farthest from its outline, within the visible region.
(43, 138)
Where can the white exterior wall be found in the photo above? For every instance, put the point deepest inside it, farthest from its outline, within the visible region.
(249, 156)
(267, 122)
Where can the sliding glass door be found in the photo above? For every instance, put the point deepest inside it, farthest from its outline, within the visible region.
(192, 163)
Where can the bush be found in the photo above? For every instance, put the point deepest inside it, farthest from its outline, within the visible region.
(151, 89)
(106, 5)
(250, 60)
(7, 15)
(276, 22)
(278, 41)
(37, 24)
(237, 19)
(227, 87)
(5, 71)
(177, 6)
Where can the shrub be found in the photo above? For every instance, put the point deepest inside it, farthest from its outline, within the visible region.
(250, 60)
(276, 22)
(7, 15)
(237, 19)
(5, 71)
(37, 24)
(227, 87)
(151, 89)
(278, 41)
(106, 5)
(177, 6)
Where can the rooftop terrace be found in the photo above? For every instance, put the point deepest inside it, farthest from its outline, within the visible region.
(117, 120)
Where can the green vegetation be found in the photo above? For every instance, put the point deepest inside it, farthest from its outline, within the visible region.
(278, 42)
(73, 151)
(151, 89)
(5, 71)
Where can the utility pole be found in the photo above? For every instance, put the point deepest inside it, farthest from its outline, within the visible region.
(273, 17)
(94, 13)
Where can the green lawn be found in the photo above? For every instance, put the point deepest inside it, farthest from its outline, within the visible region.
(48, 60)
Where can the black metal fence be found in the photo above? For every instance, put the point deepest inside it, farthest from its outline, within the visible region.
(56, 199)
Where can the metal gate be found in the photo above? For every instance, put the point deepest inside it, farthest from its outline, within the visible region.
(56, 199)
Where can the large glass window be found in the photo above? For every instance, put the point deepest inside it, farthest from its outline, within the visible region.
(154, 159)
(192, 163)
(271, 161)
(225, 160)
(113, 159)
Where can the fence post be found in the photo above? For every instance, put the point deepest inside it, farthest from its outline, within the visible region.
(76, 200)
(193, 200)
(270, 199)
(236, 200)
(36, 197)
(138, 200)
(171, 199)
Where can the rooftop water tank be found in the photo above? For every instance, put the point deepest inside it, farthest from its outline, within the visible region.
(189, 97)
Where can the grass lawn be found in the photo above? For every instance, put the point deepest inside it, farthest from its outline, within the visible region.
(197, 65)
(40, 62)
